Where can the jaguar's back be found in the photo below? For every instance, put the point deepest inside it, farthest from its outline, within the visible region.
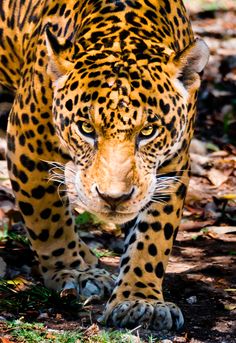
(88, 22)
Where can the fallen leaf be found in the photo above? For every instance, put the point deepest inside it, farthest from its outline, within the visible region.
(20, 284)
(3, 170)
(194, 225)
(50, 335)
(217, 177)
(221, 230)
(198, 147)
(58, 316)
(199, 159)
(228, 196)
(230, 307)
(220, 153)
(5, 340)
(92, 330)
(211, 235)
(111, 228)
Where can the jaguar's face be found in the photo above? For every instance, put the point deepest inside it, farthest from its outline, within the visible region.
(119, 130)
(122, 113)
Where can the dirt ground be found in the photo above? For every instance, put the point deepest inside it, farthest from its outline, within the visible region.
(201, 275)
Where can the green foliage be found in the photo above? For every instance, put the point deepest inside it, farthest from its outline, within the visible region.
(114, 337)
(104, 253)
(84, 218)
(39, 333)
(3, 232)
(18, 238)
(34, 333)
(37, 298)
(6, 234)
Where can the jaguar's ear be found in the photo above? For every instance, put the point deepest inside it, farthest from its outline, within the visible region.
(191, 62)
(58, 65)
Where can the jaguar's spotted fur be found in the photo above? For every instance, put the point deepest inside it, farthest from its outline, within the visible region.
(111, 85)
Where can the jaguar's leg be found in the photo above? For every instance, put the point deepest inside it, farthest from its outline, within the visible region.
(65, 261)
(137, 298)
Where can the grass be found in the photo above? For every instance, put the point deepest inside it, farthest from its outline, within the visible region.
(38, 333)
(18, 238)
(86, 218)
(6, 234)
(23, 332)
(104, 253)
(3, 232)
(37, 298)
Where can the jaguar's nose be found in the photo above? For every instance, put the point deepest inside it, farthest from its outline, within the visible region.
(115, 200)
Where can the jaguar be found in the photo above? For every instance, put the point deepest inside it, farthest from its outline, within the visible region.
(111, 86)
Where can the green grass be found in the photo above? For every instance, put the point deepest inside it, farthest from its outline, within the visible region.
(84, 218)
(104, 253)
(87, 218)
(18, 238)
(114, 337)
(3, 232)
(37, 297)
(38, 333)
(33, 333)
(6, 234)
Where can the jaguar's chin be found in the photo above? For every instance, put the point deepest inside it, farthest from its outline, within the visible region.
(116, 217)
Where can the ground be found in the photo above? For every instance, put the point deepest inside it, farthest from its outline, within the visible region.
(201, 276)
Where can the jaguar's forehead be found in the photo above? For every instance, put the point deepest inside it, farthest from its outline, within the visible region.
(119, 96)
(115, 111)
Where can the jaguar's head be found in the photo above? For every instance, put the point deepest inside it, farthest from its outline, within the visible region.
(121, 118)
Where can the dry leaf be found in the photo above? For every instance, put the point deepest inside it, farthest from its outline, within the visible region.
(20, 284)
(50, 335)
(58, 316)
(228, 196)
(92, 330)
(216, 177)
(112, 229)
(3, 170)
(220, 230)
(198, 147)
(220, 153)
(230, 307)
(199, 159)
(211, 235)
(5, 340)
(194, 225)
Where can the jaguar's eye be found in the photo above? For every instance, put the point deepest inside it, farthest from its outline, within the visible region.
(148, 131)
(86, 128)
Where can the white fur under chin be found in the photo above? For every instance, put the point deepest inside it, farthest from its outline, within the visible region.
(116, 218)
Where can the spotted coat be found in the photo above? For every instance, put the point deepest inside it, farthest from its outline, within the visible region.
(110, 86)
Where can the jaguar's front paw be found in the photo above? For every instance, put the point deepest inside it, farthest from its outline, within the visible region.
(96, 282)
(157, 315)
(86, 283)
